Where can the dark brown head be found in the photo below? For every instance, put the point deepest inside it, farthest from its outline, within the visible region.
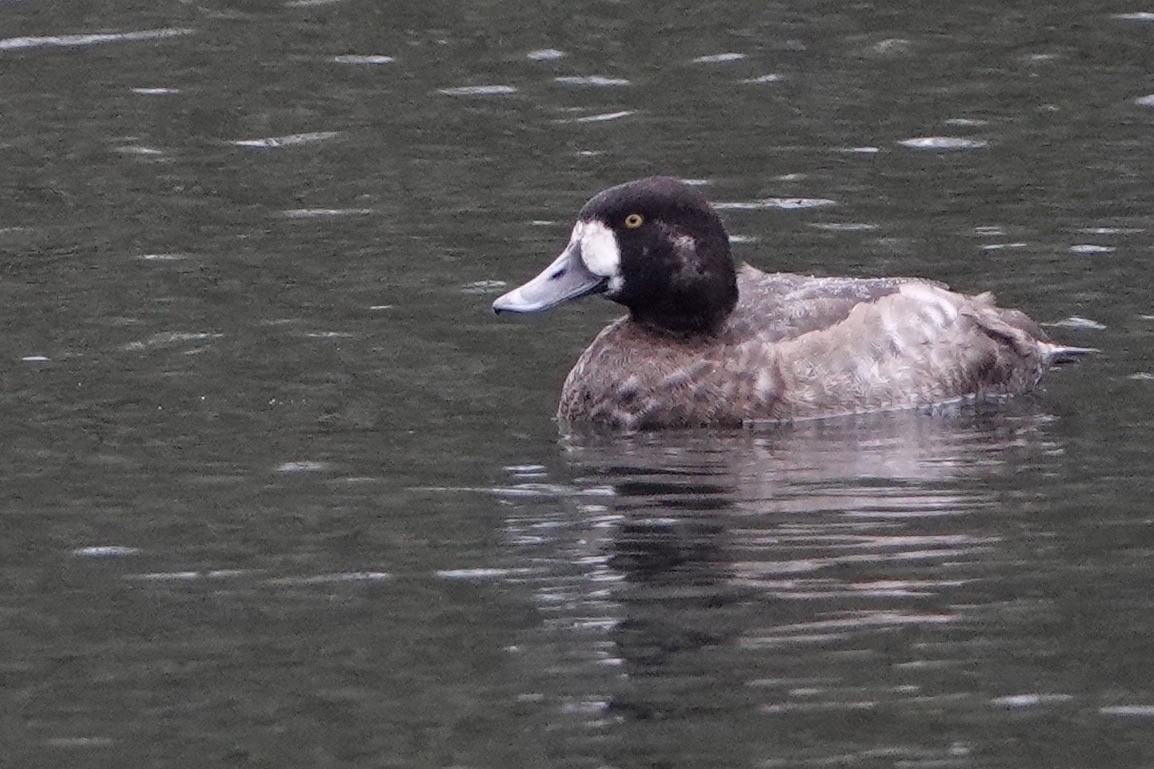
(653, 245)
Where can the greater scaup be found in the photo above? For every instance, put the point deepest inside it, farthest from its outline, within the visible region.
(707, 343)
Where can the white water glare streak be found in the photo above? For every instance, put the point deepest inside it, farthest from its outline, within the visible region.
(22, 43)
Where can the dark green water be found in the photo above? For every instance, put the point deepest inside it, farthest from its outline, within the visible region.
(278, 490)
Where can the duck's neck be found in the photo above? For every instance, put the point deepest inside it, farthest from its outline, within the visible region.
(683, 327)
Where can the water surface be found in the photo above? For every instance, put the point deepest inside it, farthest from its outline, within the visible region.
(279, 491)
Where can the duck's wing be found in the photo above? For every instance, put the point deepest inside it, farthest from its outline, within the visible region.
(775, 307)
(916, 344)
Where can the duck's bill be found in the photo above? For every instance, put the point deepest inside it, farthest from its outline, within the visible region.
(566, 279)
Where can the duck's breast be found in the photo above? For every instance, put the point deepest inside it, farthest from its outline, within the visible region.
(633, 378)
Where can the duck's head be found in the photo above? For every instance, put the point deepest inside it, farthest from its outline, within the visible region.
(653, 245)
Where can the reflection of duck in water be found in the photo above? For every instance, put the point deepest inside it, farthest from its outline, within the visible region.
(706, 343)
(702, 576)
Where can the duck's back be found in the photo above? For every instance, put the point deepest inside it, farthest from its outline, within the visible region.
(780, 306)
(799, 347)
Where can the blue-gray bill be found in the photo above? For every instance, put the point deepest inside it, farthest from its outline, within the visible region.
(567, 278)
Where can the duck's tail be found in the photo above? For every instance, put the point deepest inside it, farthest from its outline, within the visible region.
(1057, 354)
(1026, 336)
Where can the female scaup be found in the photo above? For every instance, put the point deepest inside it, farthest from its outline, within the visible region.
(706, 343)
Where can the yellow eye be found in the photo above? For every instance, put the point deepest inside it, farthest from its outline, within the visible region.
(633, 221)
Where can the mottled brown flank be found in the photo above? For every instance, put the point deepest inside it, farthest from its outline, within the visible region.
(800, 347)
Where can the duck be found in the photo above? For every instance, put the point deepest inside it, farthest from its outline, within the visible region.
(708, 343)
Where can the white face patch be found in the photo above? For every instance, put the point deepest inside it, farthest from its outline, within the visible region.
(599, 249)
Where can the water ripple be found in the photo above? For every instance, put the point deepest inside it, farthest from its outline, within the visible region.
(289, 140)
(719, 58)
(478, 90)
(787, 203)
(770, 78)
(1075, 321)
(844, 226)
(1128, 711)
(301, 466)
(171, 338)
(140, 151)
(353, 58)
(592, 80)
(600, 118)
(479, 573)
(835, 628)
(943, 143)
(1030, 700)
(484, 287)
(321, 213)
(104, 551)
(162, 257)
(23, 43)
(545, 54)
(337, 577)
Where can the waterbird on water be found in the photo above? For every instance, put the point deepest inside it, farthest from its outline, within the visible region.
(707, 343)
